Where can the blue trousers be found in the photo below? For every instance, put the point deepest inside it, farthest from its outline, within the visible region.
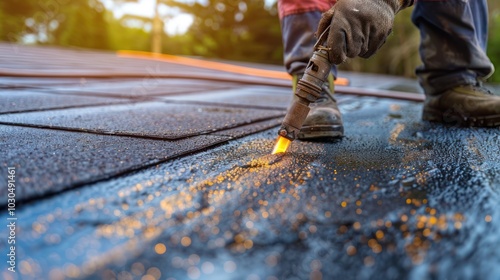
(298, 41)
(453, 42)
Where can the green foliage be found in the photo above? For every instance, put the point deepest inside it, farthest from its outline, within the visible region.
(494, 44)
(13, 14)
(244, 30)
(78, 23)
(237, 30)
(398, 56)
(82, 24)
(121, 37)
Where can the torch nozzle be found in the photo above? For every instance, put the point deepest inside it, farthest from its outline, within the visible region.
(281, 145)
(308, 89)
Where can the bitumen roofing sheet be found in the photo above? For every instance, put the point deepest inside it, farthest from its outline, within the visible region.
(183, 186)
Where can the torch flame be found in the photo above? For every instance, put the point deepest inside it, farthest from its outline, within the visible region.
(282, 145)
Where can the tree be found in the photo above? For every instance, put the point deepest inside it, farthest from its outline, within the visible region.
(13, 14)
(238, 30)
(398, 56)
(494, 44)
(123, 37)
(82, 24)
(78, 23)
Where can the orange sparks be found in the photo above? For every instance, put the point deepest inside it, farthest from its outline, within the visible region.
(282, 145)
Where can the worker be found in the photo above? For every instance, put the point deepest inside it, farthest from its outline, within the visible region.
(452, 49)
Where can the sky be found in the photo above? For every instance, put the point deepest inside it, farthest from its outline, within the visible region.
(176, 22)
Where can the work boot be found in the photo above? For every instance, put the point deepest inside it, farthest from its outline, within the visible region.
(468, 105)
(324, 119)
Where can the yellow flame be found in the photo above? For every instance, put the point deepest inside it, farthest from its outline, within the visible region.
(282, 145)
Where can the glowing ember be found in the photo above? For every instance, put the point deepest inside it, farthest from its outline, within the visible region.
(281, 145)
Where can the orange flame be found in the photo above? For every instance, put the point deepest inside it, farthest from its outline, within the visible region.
(282, 145)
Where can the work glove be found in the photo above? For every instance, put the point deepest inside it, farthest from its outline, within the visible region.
(358, 27)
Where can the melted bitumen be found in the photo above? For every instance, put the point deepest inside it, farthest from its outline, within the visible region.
(396, 198)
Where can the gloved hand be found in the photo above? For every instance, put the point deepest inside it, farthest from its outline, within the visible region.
(358, 27)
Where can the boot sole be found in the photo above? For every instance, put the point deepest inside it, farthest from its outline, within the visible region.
(321, 132)
(458, 118)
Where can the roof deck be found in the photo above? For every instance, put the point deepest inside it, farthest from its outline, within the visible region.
(152, 168)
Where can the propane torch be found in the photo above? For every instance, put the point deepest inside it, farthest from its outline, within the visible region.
(308, 89)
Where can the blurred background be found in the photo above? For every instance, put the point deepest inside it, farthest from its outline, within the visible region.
(240, 30)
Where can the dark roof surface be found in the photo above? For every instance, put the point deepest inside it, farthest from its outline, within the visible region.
(145, 169)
